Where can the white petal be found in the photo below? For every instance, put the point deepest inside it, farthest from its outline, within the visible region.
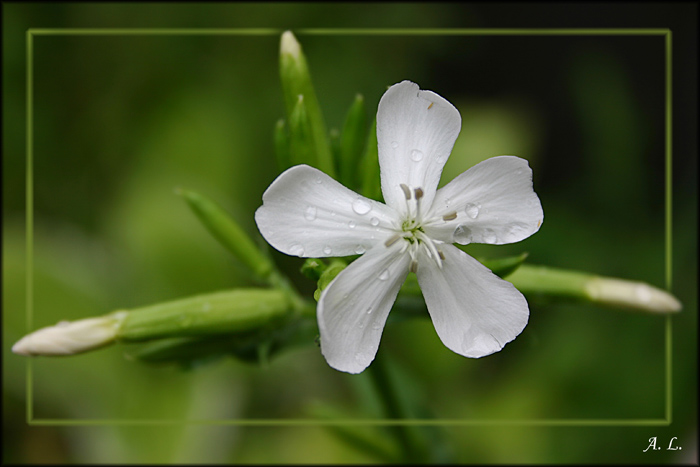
(415, 131)
(306, 213)
(494, 203)
(353, 309)
(474, 312)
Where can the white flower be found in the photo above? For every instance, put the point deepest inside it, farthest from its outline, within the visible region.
(475, 313)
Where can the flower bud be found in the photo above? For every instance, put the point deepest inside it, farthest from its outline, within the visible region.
(71, 337)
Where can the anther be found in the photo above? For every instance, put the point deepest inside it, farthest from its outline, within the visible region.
(419, 193)
(392, 240)
(413, 267)
(406, 191)
(450, 217)
(441, 254)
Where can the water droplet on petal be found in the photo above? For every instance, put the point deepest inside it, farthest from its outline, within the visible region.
(462, 234)
(296, 249)
(359, 249)
(376, 326)
(374, 221)
(318, 180)
(352, 224)
(489, 236)
(310, 213)
(369, 310)
(416, 155)
(327, 250)
(439, 159)
(384, 275)
(361, 325)
(472, 210)
(394, 144)
(361, 206)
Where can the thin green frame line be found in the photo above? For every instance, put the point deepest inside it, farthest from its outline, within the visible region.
(319, 31)
(353, 31)
(29, 268)
(668, 223)
(354, 422)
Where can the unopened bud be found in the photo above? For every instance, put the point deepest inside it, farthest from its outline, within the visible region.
(632, 294)
(71, 337)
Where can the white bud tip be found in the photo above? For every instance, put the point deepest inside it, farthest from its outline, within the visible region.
(633, 294)
(68, 338)
(289, 44)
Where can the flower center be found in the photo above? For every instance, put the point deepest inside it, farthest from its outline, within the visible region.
(412, 231)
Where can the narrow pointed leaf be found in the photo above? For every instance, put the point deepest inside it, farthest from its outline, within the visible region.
(352, 142)
(369, 167)
(227, 231)
(282, 146)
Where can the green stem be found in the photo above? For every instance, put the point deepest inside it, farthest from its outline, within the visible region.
(388, 392)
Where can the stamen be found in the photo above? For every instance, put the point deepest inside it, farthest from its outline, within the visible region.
(413, 267)
(442, 255)
(419, 194)
(406, 191)
(450, 217)
(431, 104)
(392, 240)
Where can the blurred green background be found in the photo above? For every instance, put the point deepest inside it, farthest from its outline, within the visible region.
(121, 121)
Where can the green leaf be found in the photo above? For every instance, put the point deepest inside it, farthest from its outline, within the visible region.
(227, 231)
(352, 142)
(296, 81)
(282, 146)
(328, 275)
(301, 146)
(504, 266)
(369, 167)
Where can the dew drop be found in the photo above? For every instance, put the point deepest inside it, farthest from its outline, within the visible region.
(327, 250)
(472, 210)
(374, 221)
(296, 249)
(384, 275)
(439, 159)
(352, 224)
(333, 213)
(376, 326)
(310, 213)
(318, 180)
(416, 155)
(359, 357)
(361, 326)
(359, 249)
(369, 310)
(361, 206)
(462, 234)
(489, 236)
(394, 144)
